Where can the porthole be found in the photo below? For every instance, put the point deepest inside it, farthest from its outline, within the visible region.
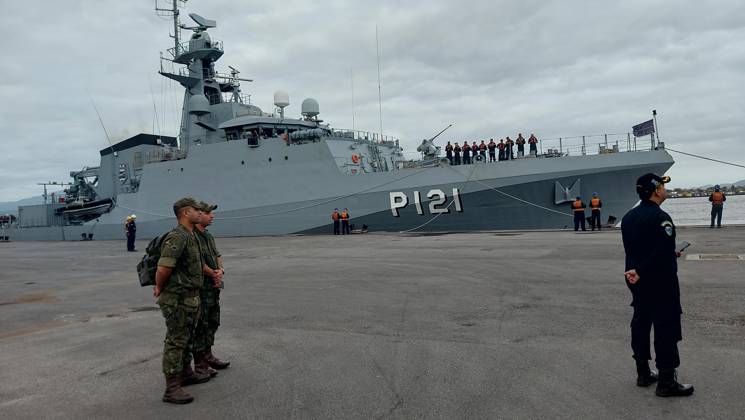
(270, 159)
(285, 157)
(243, 162)
(182, 169)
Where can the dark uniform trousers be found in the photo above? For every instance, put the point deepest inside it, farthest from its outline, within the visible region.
(579, 220)
(131, 234)
(336, 227)
(595, 219)
(667, 333)
(716, 213)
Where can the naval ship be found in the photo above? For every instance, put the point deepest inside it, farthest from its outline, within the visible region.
(271, 174)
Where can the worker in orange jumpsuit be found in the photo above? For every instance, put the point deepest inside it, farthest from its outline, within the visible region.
(578, 208)
(345, 222)
(717, 199)
(595, 205)
(335, 217)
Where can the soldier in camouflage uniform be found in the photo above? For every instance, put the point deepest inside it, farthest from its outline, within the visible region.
(204, 360)
(178, 281)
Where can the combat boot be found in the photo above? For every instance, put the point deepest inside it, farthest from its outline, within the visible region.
(189, 377)
(645, 376)
(201, 366)
(668, 386)
(174, 393)
(214, 361)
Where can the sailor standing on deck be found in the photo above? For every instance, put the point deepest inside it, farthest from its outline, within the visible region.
(492, 150)
(520, 145)
(652, 276)
(449, 152)
(501, 147)
(466, 153)
(578, 208)
(456, 152)
(595, 205)
(717, 199)
(533, 142)
(509, 153)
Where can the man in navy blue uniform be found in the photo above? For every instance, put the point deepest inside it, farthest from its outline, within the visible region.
(651, 275)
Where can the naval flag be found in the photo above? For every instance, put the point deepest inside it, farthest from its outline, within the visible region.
(644, 129)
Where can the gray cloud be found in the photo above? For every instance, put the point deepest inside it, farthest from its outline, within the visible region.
(493, 68)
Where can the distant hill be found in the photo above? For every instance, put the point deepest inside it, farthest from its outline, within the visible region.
(740, 183)
(11, 207)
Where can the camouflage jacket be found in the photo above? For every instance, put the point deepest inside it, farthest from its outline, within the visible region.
(181, 251)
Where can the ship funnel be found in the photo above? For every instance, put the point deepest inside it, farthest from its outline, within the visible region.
(309, 108)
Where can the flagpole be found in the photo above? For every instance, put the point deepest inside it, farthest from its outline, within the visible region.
(654, 117)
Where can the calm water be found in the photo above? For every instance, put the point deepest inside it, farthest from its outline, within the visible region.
(697, 210)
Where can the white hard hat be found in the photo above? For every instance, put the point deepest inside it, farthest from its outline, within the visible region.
(133, 216)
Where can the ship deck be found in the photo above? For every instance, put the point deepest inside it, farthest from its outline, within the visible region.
(477, 325)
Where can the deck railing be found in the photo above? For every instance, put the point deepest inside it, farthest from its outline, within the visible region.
(363, 135)
(592, 144)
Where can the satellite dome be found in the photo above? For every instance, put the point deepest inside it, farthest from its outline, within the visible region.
(309, 107)
(281, 99)
(199, 105)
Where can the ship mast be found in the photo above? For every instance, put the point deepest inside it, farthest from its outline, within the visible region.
(172, 12)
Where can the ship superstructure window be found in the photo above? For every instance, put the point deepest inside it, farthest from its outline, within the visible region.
(123, 173)
(213, 95)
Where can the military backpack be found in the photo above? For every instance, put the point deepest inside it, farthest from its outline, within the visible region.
(148, 266)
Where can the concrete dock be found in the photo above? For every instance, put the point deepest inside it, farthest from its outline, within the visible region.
(457, 326)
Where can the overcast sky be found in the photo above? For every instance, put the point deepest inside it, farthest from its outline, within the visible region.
(494, 69)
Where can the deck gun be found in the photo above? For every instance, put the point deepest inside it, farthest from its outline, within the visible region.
(428, 149)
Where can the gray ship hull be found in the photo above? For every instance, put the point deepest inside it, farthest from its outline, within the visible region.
(298, 189)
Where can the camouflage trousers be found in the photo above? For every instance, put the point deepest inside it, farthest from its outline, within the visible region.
(181, 314)
(204, 334)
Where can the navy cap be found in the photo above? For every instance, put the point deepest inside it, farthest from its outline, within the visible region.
(647, 183)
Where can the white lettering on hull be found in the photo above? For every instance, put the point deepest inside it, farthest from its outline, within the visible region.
(438, 203)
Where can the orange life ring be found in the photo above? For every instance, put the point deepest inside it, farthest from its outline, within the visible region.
(355, 158)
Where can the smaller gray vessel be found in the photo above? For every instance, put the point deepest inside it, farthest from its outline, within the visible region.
(272, 174)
